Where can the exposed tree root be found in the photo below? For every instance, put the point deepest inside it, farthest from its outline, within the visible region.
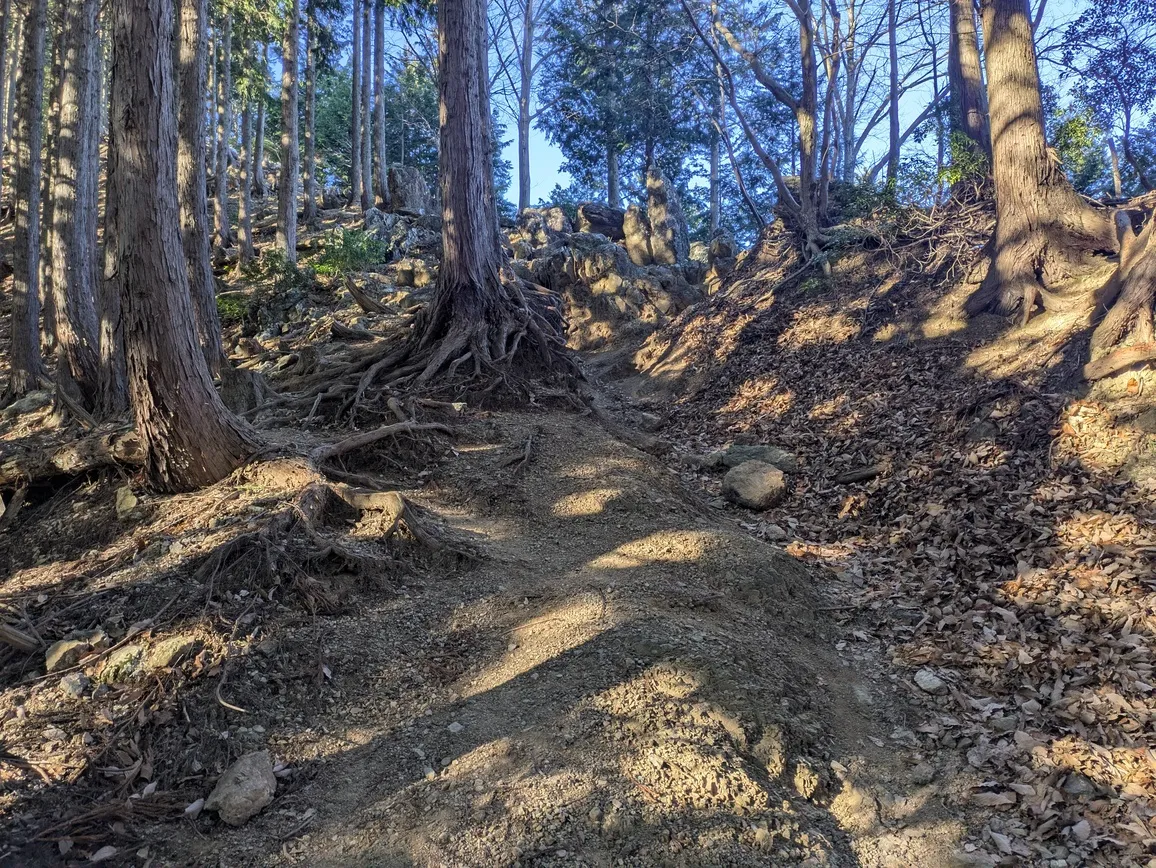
(96, 450)
(292, 543)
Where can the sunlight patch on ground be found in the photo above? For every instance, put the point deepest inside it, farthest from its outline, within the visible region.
(667, 546)
(585, 503)
(819, 325)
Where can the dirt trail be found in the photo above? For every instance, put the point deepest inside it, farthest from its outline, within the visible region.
(626, 679)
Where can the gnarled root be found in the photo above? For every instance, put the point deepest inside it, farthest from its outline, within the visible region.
(292, 544)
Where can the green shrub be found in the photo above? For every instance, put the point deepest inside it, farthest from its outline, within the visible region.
(350, 250)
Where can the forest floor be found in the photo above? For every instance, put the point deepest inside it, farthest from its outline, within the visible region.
(945, 663)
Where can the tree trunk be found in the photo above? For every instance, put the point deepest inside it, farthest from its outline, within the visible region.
(309, 214)
(968, 113)
(366, 105)
(6, 46)
(613, 195)
(19, 32)
(1044, 231)
(1137, 166)
(380, 166)
(524, 96)
(244, 188)
(213, 68)
(287, 184)
(192, 50)
(47, 202)
(75, 188)
(113, 370)
(893, 97)
(806, 118)
(223, 234)
(1117, 181)
(27, 367)
(190, 439)
(355, 114)
(1129, 295)
(259, 188)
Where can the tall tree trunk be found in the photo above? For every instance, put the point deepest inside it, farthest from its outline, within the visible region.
(806, 118)
(19, 31)
(366, 105)
(1043, 231)
(380, 166)
(113, 365)
(524, 96)
(613, 194)
(6, 46)
(214, 66)
(893, 96)
(309, 214)
(47, 174)
(245, 187)
(74, 190)
(27, 367)
(355, 113)
(192, 50)
(287, 183)
(1117, 181)
(965, 78)
(1138, 167)
(223, 235)
(259, 187)
(190, 438)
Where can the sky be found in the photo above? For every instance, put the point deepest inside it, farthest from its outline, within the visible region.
(546, 159)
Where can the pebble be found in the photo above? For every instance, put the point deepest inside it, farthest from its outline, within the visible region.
(74, 684)
(929, 682)
(455, 727)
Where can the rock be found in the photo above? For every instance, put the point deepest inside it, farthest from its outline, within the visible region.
(418, 240)
(774, 533)
(722, 246)
(542, 226)
(30, 403)
(733, 456)
(122, 664)
(755, 485)
(66, 653)
(455, 727)
(75, 684)
(669, 238)
(172, 651)
(602, 219)
(126, 502)
(408, 191)
(521, 249)
(242, 389)
(923, 774)
(1082, 830)
(380, 224)
(636, 235)
(1077, 784)
(333, 198)
(244, 789)
(929, 682)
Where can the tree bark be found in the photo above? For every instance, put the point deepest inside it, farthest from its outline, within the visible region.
(287, 184)
(355, 114)
(1044, 232)
(893, 96)
(6, 46)
(244, 188)
(1138, 167)
(74, 190)
(613, 194)
(190, 439)
(260, 190)
(525, 95)
(192, 50)
(380, 165)
(221, 230)
(366, 105)
(1117, 181)
(309, 214)
(27, 366)
(968, 112)
(113, 365)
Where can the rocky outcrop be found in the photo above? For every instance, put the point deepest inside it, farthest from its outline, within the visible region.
(636, 232)
(722, 254)
(540, 226)
(405, 235)
(408, 191)
(669, 238)
(601, 220)
(332, 198)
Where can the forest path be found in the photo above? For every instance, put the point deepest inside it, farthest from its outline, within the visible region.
(626, 678)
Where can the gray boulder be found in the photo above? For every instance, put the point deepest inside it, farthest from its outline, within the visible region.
(636, 235)
(601, 219)
(733, 456)
(244, 789)
(542, 226)
(755, 485)
(408, 191)
(379, 224)
(669, 237)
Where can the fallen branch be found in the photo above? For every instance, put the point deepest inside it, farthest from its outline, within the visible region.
(357, 441)
(364, 301)
(863, 473)
(101, 449)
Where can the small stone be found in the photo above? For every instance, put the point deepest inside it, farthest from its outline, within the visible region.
(733, 456)
(755, 485)
(194, 810)
(455, 727)
(65, 653)
(74, 684)
(1082, 830)
(922, 774)
(929, 682)
(122, 664)
(126, 502)
(775, 533)
(245, 789)
(1078, 785)
(171, 651)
